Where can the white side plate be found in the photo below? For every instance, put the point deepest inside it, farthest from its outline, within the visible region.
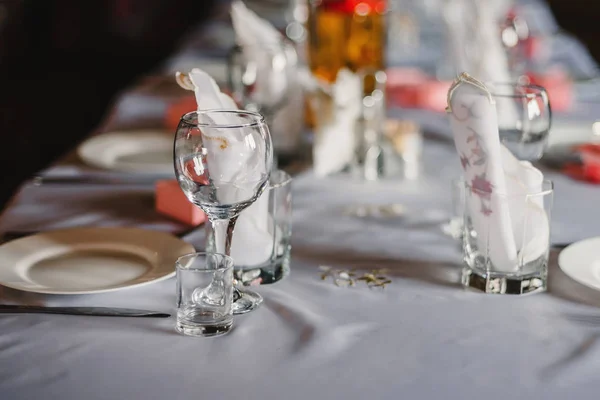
(135, 151)
(581, 262)
(89, 260)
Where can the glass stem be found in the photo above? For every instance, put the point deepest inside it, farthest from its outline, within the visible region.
(223, 233)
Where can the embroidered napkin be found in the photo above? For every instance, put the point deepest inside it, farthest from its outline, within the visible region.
(252, 241)
(511, 228)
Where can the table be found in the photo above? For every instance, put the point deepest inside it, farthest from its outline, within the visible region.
(422, 337)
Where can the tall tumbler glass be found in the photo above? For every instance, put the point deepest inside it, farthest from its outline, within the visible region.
(265, 259)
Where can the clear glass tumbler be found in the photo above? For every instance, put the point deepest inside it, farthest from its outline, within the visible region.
(261, 245)
(506, 240)
(204, 294)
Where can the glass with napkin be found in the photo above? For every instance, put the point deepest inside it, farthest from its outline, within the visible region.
(505, 196)
(269, 81)
(252, 240)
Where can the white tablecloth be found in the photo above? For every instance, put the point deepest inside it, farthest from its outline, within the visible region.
(422, 337)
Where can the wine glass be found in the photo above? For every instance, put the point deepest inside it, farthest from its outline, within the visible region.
(263, 77)
(524, 118)
(223, 161)
(260, 76)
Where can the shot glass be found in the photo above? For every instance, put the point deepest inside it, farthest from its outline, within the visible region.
(506, 240)
(204, 294)
(261, 244)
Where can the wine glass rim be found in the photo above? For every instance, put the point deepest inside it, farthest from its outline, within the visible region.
(227, 260)
(537, 90)
(257, 119)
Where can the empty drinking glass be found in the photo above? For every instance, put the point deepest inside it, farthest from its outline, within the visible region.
(524, 118)
(204, 294)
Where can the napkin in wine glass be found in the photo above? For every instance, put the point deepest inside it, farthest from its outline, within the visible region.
(252, 239)
(262, 47)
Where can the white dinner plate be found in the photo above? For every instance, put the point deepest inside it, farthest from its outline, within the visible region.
(89, 260)
(581, 262)
(143, 151)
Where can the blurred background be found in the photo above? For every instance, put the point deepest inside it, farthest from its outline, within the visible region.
(62, 62)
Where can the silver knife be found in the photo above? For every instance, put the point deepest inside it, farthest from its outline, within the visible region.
(17, 234)
(89, 311)
(41, 180)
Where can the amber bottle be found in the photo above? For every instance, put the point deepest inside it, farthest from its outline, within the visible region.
(346, 33)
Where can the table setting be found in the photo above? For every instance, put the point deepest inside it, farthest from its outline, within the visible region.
(324, 199)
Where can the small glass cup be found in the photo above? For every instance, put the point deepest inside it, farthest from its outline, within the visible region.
(261, 244)
(506, 240)
(208, 311)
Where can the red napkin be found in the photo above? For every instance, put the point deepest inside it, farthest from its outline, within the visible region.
(172, 202)
(558, 85)
(412, 88)
(589, 168)
(176, 110)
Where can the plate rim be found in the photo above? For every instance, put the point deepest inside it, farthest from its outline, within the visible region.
(83, 153)
(189, 246)
(573, 247)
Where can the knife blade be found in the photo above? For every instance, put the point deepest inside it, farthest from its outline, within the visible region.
(18, 234)
(41, 180)
(88, 311)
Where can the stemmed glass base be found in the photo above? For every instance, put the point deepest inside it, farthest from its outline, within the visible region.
(245, 301)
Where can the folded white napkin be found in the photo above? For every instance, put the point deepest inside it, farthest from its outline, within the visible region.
(272, 68)
(511, 228)
(474, 37)
(336, 109)
(252, 241)
(263, 52)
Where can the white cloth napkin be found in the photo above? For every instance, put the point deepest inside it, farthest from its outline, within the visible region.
(511, 228)
(336, 111)
(272, 66)
(252, 242)
(474, 37)
(262, 47)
